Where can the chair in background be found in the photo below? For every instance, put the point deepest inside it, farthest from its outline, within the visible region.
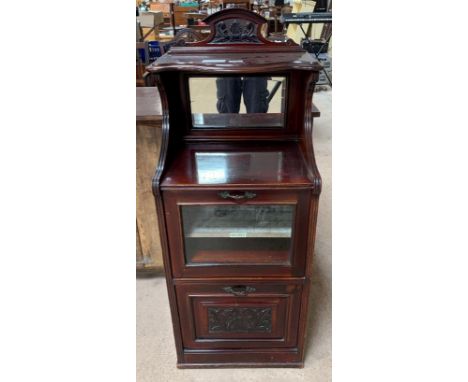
(151, 20)
(142, 59)
(182, 36)
(167, 8)
(235, 4)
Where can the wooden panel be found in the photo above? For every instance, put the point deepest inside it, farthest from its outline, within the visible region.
(139, 253)
(148, 104)
(232, 315)
(148, 143)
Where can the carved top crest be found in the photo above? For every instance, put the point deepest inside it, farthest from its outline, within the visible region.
(235, 44)
(235, 31)
(235, 26)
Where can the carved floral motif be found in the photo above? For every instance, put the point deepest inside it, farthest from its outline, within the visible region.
(235, 31)
(239, 320)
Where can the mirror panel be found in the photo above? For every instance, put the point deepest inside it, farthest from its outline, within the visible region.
(237, 102)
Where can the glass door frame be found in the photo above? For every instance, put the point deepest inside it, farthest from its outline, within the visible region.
(175, 200)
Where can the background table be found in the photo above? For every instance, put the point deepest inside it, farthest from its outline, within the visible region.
(148, 143)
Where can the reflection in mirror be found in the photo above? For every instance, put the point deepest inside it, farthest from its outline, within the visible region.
(237, 101)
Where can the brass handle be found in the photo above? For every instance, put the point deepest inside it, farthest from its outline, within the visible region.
(245, 195)
(239, 290)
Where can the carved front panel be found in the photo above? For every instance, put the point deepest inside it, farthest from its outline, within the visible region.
(211, 319)
(239, 320)
(235, 31)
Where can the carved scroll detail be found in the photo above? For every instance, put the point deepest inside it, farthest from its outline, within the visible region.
(239, 320)
(233, 31)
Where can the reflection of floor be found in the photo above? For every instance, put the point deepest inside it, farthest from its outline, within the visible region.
(156, 358)
(203, 96)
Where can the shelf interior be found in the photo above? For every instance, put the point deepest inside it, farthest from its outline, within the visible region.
(275, 251)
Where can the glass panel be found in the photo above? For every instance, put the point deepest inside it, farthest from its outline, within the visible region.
(236, 101)
(237, 234)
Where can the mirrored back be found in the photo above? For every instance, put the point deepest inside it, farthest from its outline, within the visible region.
(237, 102)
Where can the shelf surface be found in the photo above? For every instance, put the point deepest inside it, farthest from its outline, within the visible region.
(197, 59)
(240, 257)
(238, 251)
(269, 164)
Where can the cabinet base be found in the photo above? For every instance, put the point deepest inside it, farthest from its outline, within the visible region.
(238, 365)
(240, 358)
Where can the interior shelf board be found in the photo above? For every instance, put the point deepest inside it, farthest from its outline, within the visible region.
(279, 257)
(229, 233)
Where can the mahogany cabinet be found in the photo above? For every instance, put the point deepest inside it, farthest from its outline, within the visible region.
(236, 192)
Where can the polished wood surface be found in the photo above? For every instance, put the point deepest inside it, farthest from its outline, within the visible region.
(190, 59)
(237, 165)
(251, 310)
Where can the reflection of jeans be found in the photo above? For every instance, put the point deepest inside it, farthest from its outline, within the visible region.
(230, 89)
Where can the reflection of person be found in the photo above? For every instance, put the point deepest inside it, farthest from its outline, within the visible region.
(230, 90)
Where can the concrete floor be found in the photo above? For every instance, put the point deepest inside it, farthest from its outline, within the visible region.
(156, 357)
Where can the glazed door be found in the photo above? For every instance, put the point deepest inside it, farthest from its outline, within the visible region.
(233, 233)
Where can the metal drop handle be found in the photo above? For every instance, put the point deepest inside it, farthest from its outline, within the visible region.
(245, 195)
(239, 290)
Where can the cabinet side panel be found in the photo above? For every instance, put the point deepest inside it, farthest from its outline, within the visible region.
(162, 82)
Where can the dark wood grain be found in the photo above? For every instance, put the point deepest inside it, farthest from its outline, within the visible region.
(223, 60)
(236, 165)
(283, 300)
